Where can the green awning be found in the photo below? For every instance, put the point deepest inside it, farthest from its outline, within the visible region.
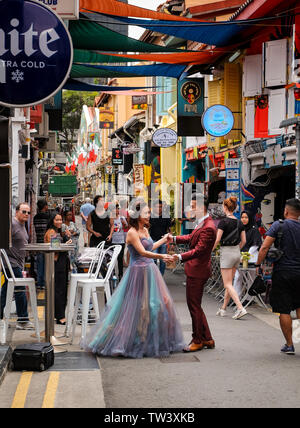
(92, 36)
(79, 71)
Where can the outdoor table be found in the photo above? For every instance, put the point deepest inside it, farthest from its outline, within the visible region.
(49, 252)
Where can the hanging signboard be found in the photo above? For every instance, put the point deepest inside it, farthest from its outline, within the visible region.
(139, 102)
(36, 53)
(190, 107)
(66, 9)
(218, 120)
(164, 137)
(117, 157)
(233, 182)
(106, 118)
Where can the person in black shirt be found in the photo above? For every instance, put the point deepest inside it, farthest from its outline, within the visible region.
(253, 237)
(98, 223)
(159, 226)
(231, 235)
(40, 222)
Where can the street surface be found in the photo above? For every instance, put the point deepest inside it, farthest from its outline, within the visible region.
(245, 370)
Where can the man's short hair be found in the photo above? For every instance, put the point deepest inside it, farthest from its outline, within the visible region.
(294, 204)
(88, 200)
(41, 204)
(199, 197)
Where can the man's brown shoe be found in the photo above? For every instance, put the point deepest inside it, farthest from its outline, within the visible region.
(193, 347)
(209, 344)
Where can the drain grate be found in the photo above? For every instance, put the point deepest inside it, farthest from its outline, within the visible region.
(180, 358)
(73, 361)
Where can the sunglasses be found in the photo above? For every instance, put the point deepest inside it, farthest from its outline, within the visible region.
(25, 212)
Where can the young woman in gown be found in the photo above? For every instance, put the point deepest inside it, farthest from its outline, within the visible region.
(140, 319)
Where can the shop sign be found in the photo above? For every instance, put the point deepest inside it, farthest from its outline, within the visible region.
(117, 157)
(164, 137)
(130, 148)
(108, 169)
(233, 181)
(106, 118)
(218, 120)
(139, 102)
(36, 53)
(138, 174)
(190, 104)
(66, 9)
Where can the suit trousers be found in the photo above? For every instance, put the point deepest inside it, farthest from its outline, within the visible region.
(194, 293)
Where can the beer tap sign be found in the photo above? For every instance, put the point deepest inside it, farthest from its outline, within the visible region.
(36, 53)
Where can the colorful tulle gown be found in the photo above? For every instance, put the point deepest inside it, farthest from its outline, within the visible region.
(140, 319)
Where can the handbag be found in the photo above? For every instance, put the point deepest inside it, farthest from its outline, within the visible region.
(258, 287)
(275, 252)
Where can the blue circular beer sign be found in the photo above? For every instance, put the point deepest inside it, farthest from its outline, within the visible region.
(217, 120)
(36, 53)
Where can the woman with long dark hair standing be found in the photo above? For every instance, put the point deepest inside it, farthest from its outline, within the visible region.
(61, 267)
(140, 319)
(98, 223)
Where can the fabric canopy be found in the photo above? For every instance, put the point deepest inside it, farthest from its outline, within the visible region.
(191, 58)
(135, 93)
(113, 7)
(91, 57)
(77, 85)
(217, 33)
(92, 36)
(167, 70)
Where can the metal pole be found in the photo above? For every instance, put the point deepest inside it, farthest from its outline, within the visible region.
(50, 286)
(297, 192)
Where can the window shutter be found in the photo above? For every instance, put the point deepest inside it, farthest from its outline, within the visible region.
(249, 123)
(277, 110)
(275, 63)
(215, 96)
(252, 84)
(233, 97)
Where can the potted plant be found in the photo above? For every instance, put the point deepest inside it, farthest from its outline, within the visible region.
(245, 259)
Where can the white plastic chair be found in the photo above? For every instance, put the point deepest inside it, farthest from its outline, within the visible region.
(75, 277)
(11, 284)
(87, 287)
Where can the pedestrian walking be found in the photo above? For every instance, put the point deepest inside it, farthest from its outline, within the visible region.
(16, 256)
(140, 319)
(72, 232)
(285, 291)
(54, 230)
(85, 211)
(40, 222)
(232, 237)
(159, 226)
(98, 223)
(198, 269)
(117, 235)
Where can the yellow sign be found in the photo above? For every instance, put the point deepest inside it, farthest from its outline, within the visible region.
(106, 118)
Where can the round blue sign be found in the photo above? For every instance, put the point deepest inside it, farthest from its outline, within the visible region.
(217, 120)
(36, 53)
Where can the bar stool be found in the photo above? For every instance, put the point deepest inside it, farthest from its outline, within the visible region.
(87, 287)
(12, 283)
(75, 277)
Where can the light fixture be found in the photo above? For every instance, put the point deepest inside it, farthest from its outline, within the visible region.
(234, 56)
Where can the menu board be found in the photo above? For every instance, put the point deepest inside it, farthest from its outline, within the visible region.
(233, 182)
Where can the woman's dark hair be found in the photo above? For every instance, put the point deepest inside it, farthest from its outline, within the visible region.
(96, 199)
(50, 224)
(134, 214)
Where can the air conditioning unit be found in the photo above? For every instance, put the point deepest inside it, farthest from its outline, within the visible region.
(43, 127)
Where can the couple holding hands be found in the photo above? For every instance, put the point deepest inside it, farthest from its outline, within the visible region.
(140, 318)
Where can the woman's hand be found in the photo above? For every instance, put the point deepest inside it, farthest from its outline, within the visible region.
(97, 234)
(109, 238)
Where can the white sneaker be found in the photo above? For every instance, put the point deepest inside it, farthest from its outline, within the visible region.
(221, 312)
(239, 314)
(24, 326)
